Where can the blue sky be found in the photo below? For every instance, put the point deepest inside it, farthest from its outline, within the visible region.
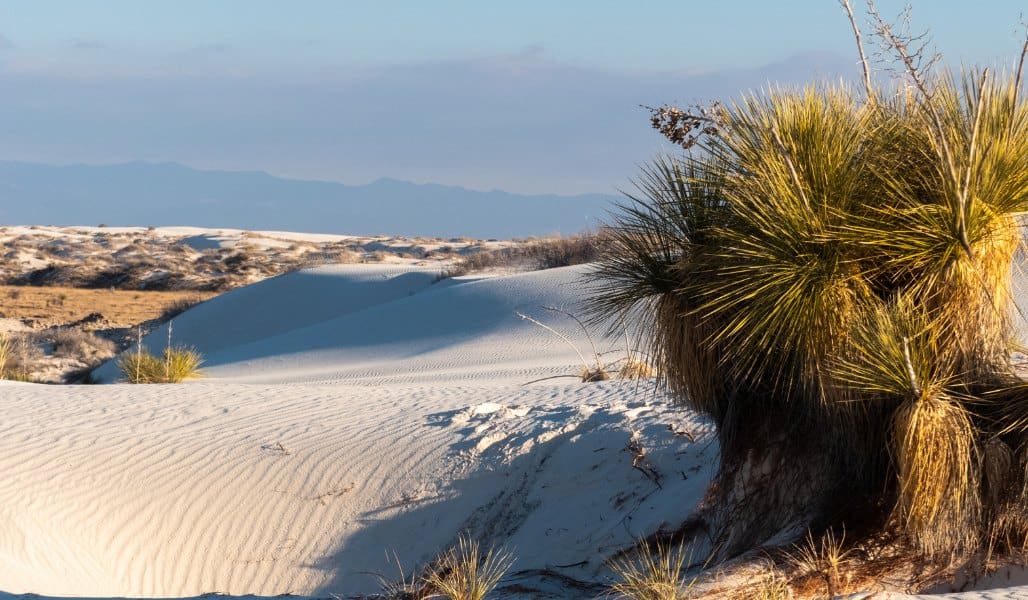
(529, 96)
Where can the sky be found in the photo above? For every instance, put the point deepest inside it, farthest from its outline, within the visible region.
(530, 96)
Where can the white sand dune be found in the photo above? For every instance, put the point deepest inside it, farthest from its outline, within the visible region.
(382, 325)
(289, 472)
(347, 412)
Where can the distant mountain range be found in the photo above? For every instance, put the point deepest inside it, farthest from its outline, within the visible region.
(164, 194)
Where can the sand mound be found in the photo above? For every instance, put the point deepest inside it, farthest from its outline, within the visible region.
(348, 412)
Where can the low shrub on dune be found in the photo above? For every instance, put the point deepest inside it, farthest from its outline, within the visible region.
(18, 357)
(651, 577)
(176, 363)
(467, 572)
(173, 366)
(828, 276)
(547, 253)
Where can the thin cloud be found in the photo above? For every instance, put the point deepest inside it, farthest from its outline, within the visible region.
(208, 50)
(89, 45)
(6, 43)
(515, 122)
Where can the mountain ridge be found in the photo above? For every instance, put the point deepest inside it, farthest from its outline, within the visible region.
(141, 193)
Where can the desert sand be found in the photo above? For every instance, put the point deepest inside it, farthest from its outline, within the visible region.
(349, 417)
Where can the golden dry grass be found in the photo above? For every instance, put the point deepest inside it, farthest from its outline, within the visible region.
(6, 346)
(56, 306)
(936, 454)
(467, 572)
(825, 558)
(651, 576)
(174, 366)
(635, 368)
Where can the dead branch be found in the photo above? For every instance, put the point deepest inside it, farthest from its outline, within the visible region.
(868, 88)
(687, 128)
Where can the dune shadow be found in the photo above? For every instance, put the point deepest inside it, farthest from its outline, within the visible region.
(548, 501)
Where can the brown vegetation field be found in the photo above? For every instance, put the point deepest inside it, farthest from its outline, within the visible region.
(51, 306)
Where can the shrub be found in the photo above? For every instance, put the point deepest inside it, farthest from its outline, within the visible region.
(464, 573)
(564, 251)
(174, 366)
(6, 347)
(533, 256)
(179, 306)
(829, 278)
(70, 342)
(18, 357)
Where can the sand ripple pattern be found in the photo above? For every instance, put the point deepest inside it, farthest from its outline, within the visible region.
(246, 489)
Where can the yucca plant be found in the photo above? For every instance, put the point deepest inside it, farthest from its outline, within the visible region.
(176, 363)
(829, 278)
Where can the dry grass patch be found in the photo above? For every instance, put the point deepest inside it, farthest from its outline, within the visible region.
(6, 347)
(531, 255)
(59, 306)
(826, 559)
(19, 357)
(652, 577)
(76, 343)
(174, 366)
(464, 572)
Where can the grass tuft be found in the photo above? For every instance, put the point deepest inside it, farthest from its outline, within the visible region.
(649, 577)
(6, 348)
(174, 366)
(825, 558)
(464, 572)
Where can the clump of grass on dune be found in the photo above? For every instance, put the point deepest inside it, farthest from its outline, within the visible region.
(546, 253)
(467, 572)
(828, 276)
(176, 363)
(651, 576)
(5, 352)
(173, 366)
(825, 558)
(632, 366)
(17, 357)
